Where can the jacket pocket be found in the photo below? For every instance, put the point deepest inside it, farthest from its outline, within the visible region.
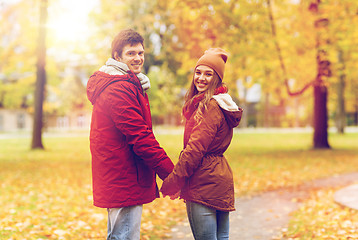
(145, 175)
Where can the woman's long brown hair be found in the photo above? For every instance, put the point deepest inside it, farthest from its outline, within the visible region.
(203, 104)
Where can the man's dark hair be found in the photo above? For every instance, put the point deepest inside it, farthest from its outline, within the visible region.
(123, 38)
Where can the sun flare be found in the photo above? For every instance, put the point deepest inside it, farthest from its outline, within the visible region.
(68, 21)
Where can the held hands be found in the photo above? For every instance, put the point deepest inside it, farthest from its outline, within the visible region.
(169, 188)
(174, 196)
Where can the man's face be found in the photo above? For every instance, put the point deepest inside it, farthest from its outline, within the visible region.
(133, 56)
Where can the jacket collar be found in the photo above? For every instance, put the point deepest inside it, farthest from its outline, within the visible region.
(99, 81)
(198, 98)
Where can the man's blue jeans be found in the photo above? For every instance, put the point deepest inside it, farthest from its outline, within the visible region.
(124, 223)
(207, 223)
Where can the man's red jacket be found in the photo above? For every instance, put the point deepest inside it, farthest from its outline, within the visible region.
(125, 154)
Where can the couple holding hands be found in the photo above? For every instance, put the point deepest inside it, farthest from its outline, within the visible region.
(126, 156)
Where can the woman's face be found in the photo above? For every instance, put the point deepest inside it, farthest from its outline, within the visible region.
(202, 77)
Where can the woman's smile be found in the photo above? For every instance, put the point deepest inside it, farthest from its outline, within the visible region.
(202, 77)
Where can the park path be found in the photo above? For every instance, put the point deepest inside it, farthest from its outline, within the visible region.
(262, 217)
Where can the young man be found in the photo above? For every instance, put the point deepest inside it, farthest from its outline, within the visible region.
(125, 154)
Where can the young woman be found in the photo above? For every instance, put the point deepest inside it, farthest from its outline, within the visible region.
(202, 175)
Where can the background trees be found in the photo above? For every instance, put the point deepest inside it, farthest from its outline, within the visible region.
(176, 34)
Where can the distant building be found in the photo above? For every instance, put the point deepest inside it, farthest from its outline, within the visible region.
(13, 120)
(21, 120)
(76, 120)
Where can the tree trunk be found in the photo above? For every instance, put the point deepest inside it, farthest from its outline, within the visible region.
(297, 113)
(341, 114)
(244, 119)
(40, 80)
(266, 117)
(320, 118)
(356, 111)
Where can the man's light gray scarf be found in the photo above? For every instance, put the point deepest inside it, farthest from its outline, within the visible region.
(114, 67)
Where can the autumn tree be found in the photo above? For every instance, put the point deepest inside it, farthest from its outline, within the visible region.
(343, 42)
(40, 79)
(16, 54)
(320, 90)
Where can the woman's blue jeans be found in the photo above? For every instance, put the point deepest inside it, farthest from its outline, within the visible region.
(124, 223)
(207, 223)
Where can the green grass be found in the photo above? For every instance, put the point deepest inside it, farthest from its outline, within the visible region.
(266, 161)
(47, 194)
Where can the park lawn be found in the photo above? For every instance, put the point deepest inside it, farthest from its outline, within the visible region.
(47, 194)
(267, 161)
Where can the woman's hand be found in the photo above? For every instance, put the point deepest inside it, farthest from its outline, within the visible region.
(174, 196)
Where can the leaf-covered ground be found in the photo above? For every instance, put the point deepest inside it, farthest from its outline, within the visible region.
(47, 194)
(320, 217)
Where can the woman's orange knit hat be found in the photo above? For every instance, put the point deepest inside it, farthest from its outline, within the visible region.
(214, 58)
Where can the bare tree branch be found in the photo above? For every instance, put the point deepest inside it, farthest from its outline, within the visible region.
(280, 58)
